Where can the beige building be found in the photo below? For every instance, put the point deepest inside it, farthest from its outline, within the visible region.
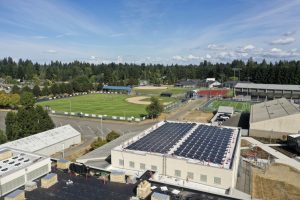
(193, 152)
(274, 119)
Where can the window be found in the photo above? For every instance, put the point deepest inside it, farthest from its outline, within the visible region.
(177, 173)
(217, 180)
(203, 178)
(190, 175)
(131, 164)
(121, 162)
(142, 166)
(153, 167)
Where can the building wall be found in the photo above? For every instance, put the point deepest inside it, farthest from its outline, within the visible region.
(172, 164)
(50, 150)
(148, 159)
(278, 126)
(186, 167)
(19, 178)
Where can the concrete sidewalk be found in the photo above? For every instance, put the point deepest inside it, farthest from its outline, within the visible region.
(281, 158)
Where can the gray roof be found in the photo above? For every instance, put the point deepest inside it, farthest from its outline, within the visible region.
(267, 86)
(96, 158)
(225, 109)
(44, 139)
(272, 109)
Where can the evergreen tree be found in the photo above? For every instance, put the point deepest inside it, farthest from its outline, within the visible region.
(45, 91)
(15, 90)
(27, 100)
(12, 129)
(36, 91)
(155, 108)
(3, 137)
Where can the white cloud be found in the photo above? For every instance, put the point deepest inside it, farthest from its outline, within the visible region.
(51, 51)
(249, 47)
(178, 58)
(245, 49)
(93, 57)
(216, 47)
(208, 56)
(276, 50)
(192, 57)
(283, 41)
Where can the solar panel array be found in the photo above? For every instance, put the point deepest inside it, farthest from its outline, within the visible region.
(162, 139)
(206, 143)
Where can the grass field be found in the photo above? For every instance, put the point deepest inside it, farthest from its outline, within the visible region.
(173, 90)
(239, 106)
(101, 104)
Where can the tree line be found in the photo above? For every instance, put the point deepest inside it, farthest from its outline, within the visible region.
(28, 120)
(281, 72)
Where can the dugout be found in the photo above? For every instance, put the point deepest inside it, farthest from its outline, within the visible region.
(122, 89)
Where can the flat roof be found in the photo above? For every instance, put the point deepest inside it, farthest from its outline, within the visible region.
(267, 86)
(18, 160)
(225, 109)
(44, 139)
(272, 109)
(195, 142)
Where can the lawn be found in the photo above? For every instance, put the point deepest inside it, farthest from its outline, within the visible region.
(173, 90)
(101, 104)
(238, 106)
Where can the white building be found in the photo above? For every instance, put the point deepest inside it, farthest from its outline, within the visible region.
(274, 119)
(200, 153)
(48, 142)
(19, 167)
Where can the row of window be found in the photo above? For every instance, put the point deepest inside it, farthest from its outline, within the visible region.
(203, 178)
(190, 175)
(142, 165)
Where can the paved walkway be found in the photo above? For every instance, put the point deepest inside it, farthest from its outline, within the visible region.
(281, 158)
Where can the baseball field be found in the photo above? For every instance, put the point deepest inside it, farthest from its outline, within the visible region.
(100, 104)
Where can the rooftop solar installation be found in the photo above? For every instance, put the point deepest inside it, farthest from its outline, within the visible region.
(207, 143)
(162, 139)
(201, 143)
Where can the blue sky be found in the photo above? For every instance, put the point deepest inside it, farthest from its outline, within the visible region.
(150, 31)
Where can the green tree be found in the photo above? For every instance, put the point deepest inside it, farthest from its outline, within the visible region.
(44, 121)
(45, 91)
(26, 89)
(11, 124)
(36, 91)
(155, 108)
(15, 90)
(98, 143)
(3, 137)
(55, 90)
(111, 136)
(27, 99)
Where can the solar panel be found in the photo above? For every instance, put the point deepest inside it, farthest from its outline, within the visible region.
(162, 139)
(206, 143)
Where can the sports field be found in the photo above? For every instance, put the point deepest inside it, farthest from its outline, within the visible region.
(238, 106)
(100, 104)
